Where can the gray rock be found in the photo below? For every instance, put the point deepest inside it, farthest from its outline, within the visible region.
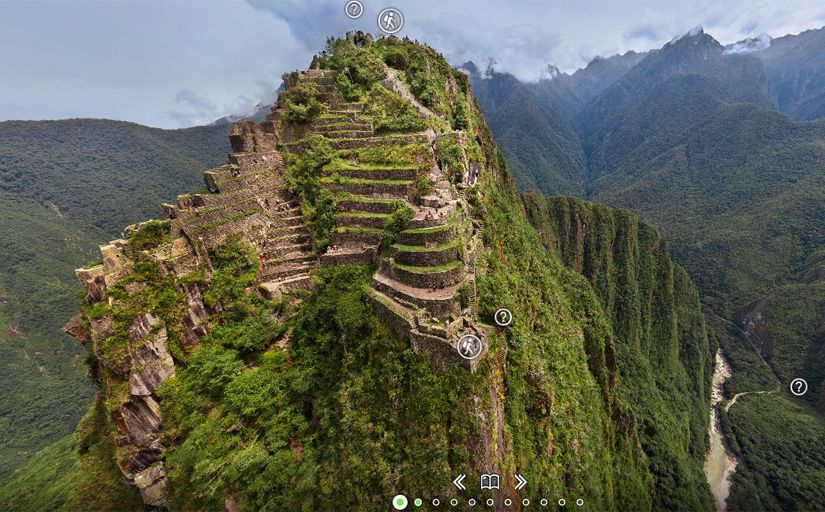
(153, 486)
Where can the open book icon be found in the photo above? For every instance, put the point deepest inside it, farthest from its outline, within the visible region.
(489, 481)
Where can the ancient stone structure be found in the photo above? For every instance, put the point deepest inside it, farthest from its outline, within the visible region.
(423, 287)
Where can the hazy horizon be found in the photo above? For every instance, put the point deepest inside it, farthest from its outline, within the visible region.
(183, 63)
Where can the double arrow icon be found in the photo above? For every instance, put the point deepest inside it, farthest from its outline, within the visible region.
(521, 482)
(457, 482)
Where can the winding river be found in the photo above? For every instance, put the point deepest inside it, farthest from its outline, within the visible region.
(720, 463)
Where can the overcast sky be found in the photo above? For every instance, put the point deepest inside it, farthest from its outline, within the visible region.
(177, 63)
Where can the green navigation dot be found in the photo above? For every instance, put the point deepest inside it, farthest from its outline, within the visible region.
(418, 502)
(399, 502)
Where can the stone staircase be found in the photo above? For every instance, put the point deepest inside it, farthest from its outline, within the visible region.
(248, 200)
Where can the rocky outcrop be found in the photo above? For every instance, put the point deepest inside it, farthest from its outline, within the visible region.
(153, 486)
(151, 362)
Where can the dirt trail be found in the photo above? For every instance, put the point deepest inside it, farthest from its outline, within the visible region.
(737, 395)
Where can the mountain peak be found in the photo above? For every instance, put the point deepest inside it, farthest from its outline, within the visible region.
(749, 45)
(695, 36)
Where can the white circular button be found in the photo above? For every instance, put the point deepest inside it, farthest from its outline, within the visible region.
(400, 502)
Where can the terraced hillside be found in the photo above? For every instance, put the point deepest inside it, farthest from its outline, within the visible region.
(403, 213)
(394, 200)
(288, 339)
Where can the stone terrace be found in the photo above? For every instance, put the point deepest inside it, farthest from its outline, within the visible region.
(248, 199)
(420, 277)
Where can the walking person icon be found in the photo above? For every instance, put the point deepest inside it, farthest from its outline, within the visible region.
(469, 346)
(390, 20)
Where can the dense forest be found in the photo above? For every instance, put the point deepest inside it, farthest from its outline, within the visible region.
(722, 151)
(66, 187)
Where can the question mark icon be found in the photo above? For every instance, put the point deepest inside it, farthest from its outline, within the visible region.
(503, 317)
(354, 9)
(799, 387)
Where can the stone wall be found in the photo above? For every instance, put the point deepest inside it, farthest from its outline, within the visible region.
(427, 280)
(441, 236)
(428, 258)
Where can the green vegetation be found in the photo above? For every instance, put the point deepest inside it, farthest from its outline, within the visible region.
(397, 222)
(450, 157)
(318, 203)
(779, 445)
(543, 151)
(302, 103)
(390, 113)
(663, 353)
(389, 154)
(66, 187)
(45, 483)
(429, 270)
(277, 434)
(43, 376)
(149, 235)
(422, 248)
(793, 334)
(571, 430)
(423, 186)
(433, 82)
(750, 372)
(360, 68)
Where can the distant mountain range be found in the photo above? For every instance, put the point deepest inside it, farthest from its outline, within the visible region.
(723, 147)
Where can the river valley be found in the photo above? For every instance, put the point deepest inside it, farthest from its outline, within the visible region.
(720, 464)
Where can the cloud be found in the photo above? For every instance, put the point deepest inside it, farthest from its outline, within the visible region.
(645, 31)
(220, 57)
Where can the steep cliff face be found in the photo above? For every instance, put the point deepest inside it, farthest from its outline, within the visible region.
(663, 352)
(289, 341)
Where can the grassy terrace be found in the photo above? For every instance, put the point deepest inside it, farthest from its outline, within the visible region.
(340, 164)
(246, 199)
(364, 215)
(345, 196)
(436, 229)
(423, 248)
(387, 154)
(371, 231)
(241, 176)
(341, 179)
(429, 270)
(226, 220)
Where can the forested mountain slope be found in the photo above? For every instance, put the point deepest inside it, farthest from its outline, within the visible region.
(696, 138)
(662, 349)
(66, 187)
(264, 397)
(542, 149)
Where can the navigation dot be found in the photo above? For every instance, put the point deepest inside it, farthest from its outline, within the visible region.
(399, 502)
